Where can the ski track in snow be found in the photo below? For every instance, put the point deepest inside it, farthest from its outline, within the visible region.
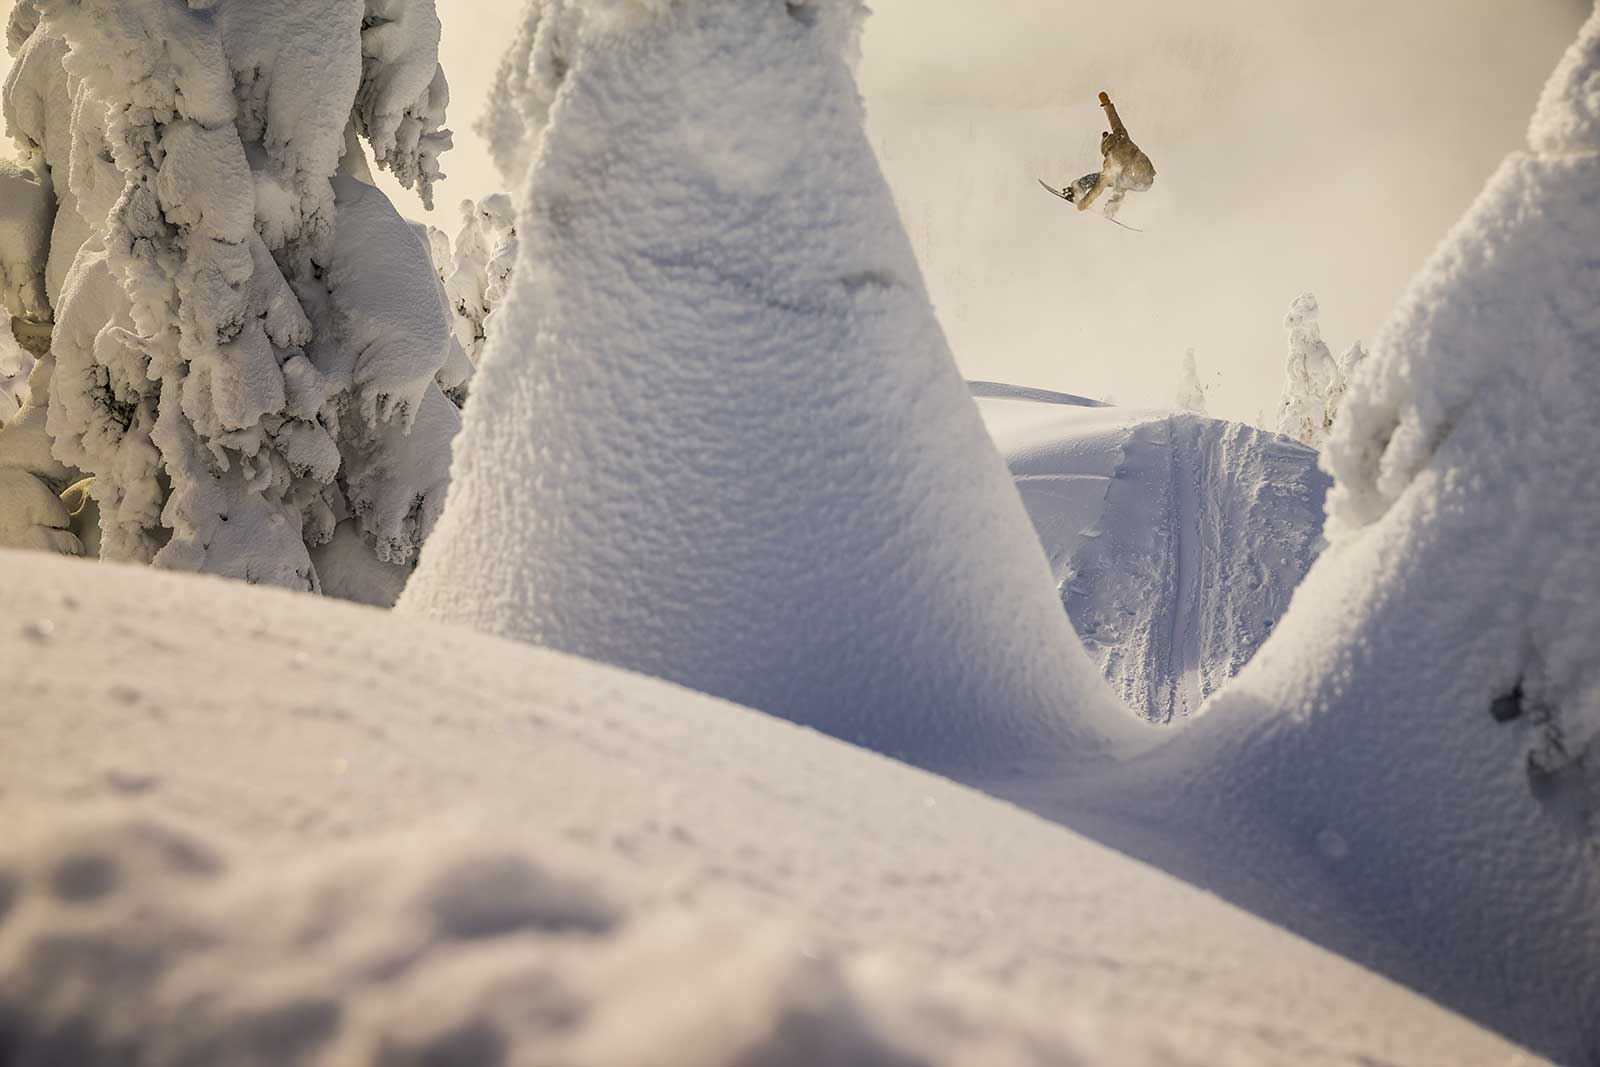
(1177, 540)
(1183, 548)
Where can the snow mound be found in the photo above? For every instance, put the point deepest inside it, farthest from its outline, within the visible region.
(250, 826)
(1176, 540)
(718, 436)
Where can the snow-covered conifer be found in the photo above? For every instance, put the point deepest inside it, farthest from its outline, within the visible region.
(1348, 362)
(719, 436)
(480, 268)
(1309, 373)
(246, 333)
(1191, 394)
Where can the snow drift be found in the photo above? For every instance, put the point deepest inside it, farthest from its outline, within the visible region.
(717, 435)
(249, 826)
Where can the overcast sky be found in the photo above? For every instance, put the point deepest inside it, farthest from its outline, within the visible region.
(1299, 144)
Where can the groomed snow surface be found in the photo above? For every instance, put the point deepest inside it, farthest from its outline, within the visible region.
(245, 826)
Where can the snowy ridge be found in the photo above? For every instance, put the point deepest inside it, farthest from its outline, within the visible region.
(1176, 540)
(349, 837)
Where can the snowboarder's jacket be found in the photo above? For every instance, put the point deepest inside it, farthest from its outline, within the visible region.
(1125, 167)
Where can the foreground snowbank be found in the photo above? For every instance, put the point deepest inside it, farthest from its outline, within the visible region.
(310, 833)
(1176, 540)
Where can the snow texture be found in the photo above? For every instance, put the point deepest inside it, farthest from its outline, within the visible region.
(1175, 540)
(244, 331)
(719, 437)
(257, 827)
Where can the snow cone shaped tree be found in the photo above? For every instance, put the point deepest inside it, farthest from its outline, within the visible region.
(717, 435)
(1425, 722)
(245, 332)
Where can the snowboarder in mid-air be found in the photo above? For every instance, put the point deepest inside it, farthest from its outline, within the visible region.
(1124, 169)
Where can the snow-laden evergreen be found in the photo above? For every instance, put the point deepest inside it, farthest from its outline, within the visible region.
(1309, 373)
(1348, 363)
(477, 275)
(719, 437)
(1191, 394)
(246, 333)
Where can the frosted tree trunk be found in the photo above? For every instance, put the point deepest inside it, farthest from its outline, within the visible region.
(719, 437)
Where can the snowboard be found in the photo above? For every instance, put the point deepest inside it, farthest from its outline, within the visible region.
(1079, 188)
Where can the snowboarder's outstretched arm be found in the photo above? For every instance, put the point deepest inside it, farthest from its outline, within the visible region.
(1111, 116)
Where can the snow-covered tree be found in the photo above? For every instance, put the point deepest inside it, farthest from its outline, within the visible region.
(1348, 362)
(717, 435)
(479, 271)
(1191, 394)
(1309, 374)
(246, 334)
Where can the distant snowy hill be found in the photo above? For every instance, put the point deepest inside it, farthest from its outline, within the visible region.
(248, 826)
(1177, 540)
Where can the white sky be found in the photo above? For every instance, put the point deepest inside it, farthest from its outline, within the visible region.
(1300, 145)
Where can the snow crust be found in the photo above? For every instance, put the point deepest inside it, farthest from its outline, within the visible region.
(1175, 540)
(719, 437)
(252, 826)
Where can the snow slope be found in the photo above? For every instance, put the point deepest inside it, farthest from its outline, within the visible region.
(1176, 540)
(249, 826)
